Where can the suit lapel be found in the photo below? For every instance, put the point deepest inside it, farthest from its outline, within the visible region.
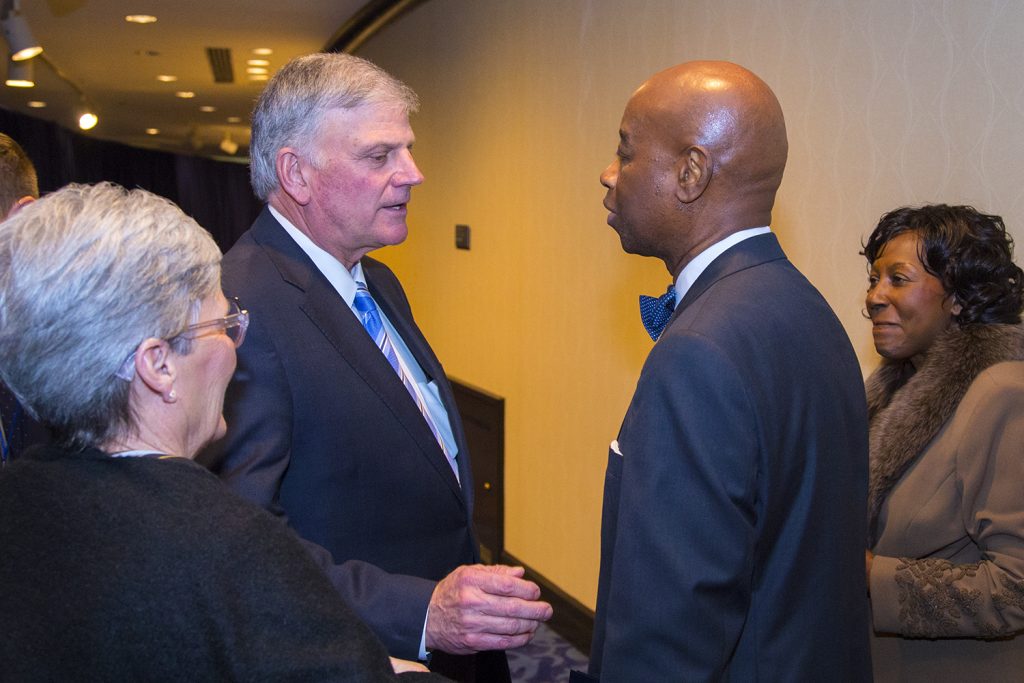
(400, 316)
(749, 253)
(328, 312)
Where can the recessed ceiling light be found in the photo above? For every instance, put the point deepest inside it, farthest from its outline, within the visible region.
(234, 119)
(152, 131)
(140, 18)
(258, 62)
(263, 51)
(166, 78)
(36, 104)
(255, 70)
(185, 94)
(259, 77)
(207, 108)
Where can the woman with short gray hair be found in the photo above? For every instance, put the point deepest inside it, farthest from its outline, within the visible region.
(91, 274)
(121, 558)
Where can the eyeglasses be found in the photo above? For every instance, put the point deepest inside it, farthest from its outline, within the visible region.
(233, 325)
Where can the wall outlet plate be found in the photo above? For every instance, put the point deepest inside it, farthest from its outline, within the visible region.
(462, 237)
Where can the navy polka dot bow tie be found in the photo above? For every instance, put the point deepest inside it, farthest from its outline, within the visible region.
(655, 312)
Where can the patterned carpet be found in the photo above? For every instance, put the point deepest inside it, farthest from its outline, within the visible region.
(547, 659)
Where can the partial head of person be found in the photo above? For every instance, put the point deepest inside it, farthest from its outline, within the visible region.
(114, 331)
(332, 151)
(702, 148)
(935, 267)
(18, 182)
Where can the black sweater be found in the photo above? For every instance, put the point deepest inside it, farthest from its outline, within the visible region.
(148, 569)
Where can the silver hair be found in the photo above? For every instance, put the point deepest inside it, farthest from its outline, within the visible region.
(291, 108)
(86, 273)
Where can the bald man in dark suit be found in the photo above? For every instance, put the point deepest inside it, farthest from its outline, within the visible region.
(734, 511)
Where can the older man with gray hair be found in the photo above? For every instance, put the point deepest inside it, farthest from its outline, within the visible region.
(341, 417)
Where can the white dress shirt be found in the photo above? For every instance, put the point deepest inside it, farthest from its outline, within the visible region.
(344, 282)
(699, 264)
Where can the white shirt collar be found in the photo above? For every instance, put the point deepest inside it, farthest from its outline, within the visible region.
(342, 279)
(699, 264)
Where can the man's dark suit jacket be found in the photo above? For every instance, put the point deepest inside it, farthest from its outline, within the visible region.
(732, 540)
(322, 432)
(19, 427)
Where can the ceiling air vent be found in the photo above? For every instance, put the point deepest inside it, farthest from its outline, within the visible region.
(220, 64)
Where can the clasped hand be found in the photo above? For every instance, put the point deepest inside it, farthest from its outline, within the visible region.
(480, 607)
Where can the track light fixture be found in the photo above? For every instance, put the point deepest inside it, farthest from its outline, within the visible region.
(88, 120)
(86, 113)
(21, 74)
(20, 40)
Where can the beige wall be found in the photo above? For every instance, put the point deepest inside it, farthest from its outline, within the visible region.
(888, 102)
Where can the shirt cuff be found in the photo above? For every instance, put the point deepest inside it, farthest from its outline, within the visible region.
(423, 640)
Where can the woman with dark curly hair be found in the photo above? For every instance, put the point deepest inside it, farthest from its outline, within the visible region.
(946, 497)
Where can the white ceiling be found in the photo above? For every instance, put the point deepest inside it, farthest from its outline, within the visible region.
(115, 63)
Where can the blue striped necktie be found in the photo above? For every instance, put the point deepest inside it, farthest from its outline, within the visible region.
(369, 315)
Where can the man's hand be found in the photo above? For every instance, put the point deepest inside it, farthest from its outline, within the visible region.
(479, 607)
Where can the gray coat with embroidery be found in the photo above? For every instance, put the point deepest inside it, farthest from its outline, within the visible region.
(946, 507)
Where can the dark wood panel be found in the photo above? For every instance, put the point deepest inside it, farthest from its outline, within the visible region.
(483, 416)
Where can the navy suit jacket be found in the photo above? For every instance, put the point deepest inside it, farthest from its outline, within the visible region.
(20, 429)
(733, 530)
(322, 432)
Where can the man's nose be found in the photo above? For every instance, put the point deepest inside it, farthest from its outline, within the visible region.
(610, 175)
(410, 172)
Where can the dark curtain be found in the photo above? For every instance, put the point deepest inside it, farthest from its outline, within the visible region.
(218, 195)
(215, 193)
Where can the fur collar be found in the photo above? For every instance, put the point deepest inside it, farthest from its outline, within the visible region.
(907, 409)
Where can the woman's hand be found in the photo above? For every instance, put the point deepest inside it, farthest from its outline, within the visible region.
(402, 666)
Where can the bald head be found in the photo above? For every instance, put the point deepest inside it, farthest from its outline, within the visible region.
(727, 110)
(710, 134)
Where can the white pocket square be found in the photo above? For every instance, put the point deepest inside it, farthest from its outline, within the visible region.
(614, 445)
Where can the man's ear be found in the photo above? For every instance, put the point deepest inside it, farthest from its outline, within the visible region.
(694, 174)
(156, 367)
(16, 206)
(292, 168)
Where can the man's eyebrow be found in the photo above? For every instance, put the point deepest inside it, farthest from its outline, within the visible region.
(381, 146)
